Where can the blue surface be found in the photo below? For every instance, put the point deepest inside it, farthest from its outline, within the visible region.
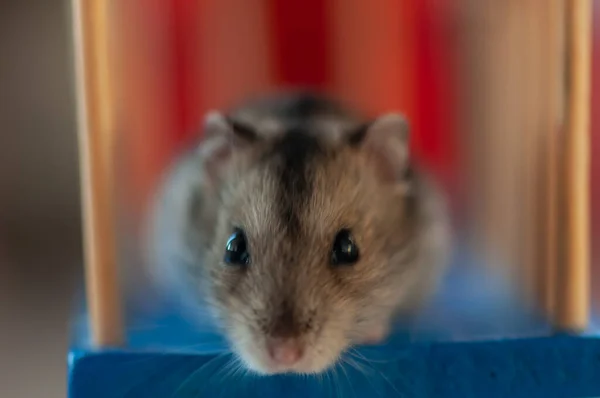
(541, 367)
(474, 341)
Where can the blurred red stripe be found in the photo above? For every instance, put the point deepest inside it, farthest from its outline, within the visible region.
(185, 44)
(372, 54)
(301, 46)
(409, 67)
(235, 46)
(158, 50)
(435, 120)
(146, 116)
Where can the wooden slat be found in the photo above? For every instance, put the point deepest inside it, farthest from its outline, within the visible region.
(553, 118)
(573, 292)
(504, 132)
(528, 143)
(95, 118)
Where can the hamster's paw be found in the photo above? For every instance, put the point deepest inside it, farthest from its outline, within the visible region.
(375, 335)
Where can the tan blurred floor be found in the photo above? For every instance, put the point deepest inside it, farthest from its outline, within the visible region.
(39, 270)
(39, 244)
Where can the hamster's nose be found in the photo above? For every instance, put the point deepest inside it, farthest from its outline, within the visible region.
(285, 351)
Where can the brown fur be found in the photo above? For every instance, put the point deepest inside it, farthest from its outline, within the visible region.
(291, 195)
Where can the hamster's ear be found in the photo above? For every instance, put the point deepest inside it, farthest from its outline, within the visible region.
(216, 124)
(223, 137)
(385, 141)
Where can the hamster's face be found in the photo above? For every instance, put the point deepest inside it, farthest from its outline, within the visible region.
(304, 261)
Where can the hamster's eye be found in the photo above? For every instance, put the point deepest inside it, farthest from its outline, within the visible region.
(344, 250)
(236, 250)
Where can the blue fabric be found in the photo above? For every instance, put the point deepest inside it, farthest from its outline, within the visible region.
(560, 366)
(475, 340)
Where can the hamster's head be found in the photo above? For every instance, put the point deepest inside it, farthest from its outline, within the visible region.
(310, 242)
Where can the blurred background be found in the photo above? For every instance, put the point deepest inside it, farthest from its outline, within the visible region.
(479, 80)
(40, 244)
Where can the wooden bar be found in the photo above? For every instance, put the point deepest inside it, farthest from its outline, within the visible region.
(529, 142)
(553, 72)
(96, 124)
(573, 292)
(502, 114)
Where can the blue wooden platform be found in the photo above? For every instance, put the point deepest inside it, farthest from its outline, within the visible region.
(474, 341)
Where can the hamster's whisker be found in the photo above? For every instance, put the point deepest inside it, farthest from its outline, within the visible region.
(226, 370)
(342, 363)
(198, 372)
(355, 353)
(213, 346)
(320, 378)
(220, 374)
(362, 371)
(330, 386)
(336, 380)
(380, 374)
(332, 373)
(239, 373)
(352, 363)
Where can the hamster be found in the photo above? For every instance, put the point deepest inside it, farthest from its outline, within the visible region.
(304, 227)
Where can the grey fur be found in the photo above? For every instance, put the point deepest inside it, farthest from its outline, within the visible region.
(292, 190)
